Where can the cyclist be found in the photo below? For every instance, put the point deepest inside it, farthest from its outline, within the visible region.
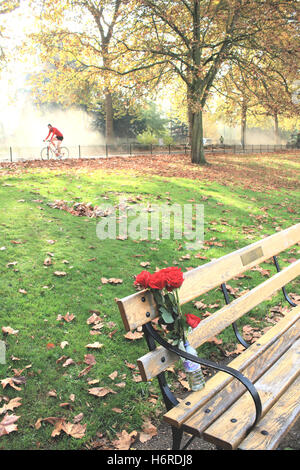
(56, 137)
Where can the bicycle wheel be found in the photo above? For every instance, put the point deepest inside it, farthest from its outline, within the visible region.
(46, 153)
(64, 152)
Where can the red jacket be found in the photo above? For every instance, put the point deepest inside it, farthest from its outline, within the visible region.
(54, 131)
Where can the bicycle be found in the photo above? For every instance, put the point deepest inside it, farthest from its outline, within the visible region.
(51, 152)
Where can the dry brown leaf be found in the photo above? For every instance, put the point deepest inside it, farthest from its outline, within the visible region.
(47, 261)
(111, 280)
(100, 391)
(93, 319)
(133, 336)
(89, 359)
(13, 382)
(117, 410)
(69, 317)
(121, 385)
(85, 371)
(137, 378)
(7, 425)
(13, 403)
(149, 430)
(113, 375)
(60, 273)
(68, 362)
(72, 429)
(78, 418)
(124, 440)
(95, 345)
(9, 331)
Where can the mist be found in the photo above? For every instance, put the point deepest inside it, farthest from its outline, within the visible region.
(254, 136)
(27, 125)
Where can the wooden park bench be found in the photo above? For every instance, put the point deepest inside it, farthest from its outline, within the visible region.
(254, 401)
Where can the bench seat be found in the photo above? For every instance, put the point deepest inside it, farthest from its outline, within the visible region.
(252, 401)
(274, 358)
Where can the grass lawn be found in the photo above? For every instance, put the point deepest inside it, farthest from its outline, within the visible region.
(48, 362)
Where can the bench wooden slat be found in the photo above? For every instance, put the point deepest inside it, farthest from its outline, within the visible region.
(151, 364)
(135, 313)
(206, 277)
(287, 330)
(281, 417)
(226, 397)
(229, 430)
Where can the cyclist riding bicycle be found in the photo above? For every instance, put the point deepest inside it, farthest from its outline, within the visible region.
(56, 138)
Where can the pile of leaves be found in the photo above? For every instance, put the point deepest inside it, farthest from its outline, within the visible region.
(80, 209)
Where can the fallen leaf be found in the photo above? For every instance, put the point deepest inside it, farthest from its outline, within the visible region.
(89, 359)
(113, 375)
(100, 391)
(93, 319)
(13, 403)
(117, 410)
(78, 418)
(60, 273)
(95, 345)
(13, 382)
(149, 430)
(68, 362)
(47, 261)
(7, 424)
(9, 331)
(133, 336)
(124, 440)
(85, 371)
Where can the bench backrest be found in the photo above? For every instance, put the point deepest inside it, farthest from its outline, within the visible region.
(140, 308)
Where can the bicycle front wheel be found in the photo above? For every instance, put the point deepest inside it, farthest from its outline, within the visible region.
(64, 152)
(46, 153)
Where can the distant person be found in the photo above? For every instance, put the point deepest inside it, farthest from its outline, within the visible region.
(56, 138)
(221, 140)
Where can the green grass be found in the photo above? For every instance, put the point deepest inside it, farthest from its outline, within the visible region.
(25, 217)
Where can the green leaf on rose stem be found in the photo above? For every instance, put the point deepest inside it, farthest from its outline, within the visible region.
(166, 315)
(158, 297)
(171, 304)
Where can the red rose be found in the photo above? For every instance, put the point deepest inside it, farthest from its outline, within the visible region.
(142, 279)
(174, 277)
(157, 280)
(192, 320)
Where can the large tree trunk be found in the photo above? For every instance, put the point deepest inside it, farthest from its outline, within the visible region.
(109, 125)
(276, 128)
(243, 125)
(197, 150)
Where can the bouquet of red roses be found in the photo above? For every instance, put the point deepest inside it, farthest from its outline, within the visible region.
(164, 285)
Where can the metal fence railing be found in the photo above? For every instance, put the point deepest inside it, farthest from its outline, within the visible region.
(17, 153)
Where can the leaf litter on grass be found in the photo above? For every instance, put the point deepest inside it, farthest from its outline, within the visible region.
(227, 175)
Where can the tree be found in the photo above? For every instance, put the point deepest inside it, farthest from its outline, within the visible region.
(6, 6)
(74, 51)
(196, 39)
(151, 41)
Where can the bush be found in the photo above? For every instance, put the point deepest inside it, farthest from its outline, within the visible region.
(147, 138)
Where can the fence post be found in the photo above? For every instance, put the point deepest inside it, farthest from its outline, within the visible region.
(79, 152)
(106, 150)
(10, 153)
(130, 148)
(151, 148)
